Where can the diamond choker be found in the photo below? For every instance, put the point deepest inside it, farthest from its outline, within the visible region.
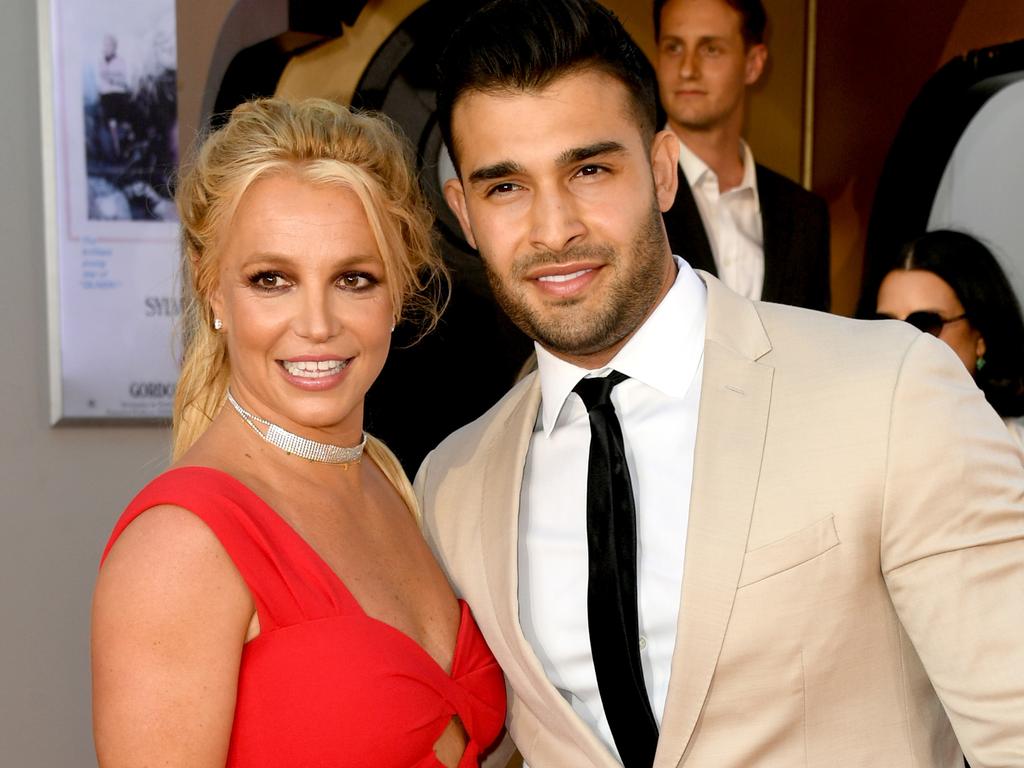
(300, 446)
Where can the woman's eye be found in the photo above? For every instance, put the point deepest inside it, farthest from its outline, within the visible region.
(268, 281)
(357, 280)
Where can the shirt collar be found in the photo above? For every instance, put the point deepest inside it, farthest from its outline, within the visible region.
(749, 174)
(676, 324)
(695, 169)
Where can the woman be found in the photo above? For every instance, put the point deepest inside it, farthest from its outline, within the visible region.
(950, 285)
(270, 600)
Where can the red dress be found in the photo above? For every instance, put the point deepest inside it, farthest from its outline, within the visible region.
(323, 684)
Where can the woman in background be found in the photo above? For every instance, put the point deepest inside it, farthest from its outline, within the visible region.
(270, 600)
(950, 285)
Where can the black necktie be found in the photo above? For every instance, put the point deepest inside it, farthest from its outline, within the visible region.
(611, 589)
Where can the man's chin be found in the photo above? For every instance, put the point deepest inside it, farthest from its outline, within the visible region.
(570, 336)
(696, 123)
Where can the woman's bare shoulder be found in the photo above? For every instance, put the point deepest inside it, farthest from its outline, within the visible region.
(169, 566)
(169, 619)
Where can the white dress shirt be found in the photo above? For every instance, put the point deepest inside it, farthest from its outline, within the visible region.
(732, 221)
(657, 408)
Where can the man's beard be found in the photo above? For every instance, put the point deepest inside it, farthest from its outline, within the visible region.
(567, 326)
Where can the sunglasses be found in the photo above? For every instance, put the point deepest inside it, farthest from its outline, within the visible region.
(928, 322)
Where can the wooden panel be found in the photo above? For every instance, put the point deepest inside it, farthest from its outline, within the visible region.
(774, 126)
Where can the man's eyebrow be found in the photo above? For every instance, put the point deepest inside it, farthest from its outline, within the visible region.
(568, 157)
(702, 40)
(496, 171)
(579, 154)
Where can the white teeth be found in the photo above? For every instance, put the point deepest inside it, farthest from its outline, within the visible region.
(562, 278)
(314, 369)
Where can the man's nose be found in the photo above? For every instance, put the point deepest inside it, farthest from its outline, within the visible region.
(556, 220)
(689, 64)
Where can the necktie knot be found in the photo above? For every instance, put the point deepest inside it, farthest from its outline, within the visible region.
(596, 392)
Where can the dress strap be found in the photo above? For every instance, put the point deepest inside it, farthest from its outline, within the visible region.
(287, 582)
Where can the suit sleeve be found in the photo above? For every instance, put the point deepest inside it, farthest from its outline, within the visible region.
(797, 247)
(420, 481)
(426, 502)
(952, 549)
(811, 240)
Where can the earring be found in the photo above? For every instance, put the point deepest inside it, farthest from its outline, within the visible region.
(979, 363)
(392, 327)
(217, 324)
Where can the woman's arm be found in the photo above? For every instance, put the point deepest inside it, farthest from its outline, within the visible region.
(169, 621)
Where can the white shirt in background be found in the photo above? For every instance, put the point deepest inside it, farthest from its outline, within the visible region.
(732, 221)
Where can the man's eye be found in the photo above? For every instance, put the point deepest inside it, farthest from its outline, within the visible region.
(357, 280)
(502, 189)
(591, 170)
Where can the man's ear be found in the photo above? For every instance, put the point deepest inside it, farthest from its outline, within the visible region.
(665, 168)
(455, 196)
(757, 56)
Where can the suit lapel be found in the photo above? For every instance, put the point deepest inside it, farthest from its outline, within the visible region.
(502, 480)
(776, 229)
(735, 396)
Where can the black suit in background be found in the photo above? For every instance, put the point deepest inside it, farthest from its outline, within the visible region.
(796, 239)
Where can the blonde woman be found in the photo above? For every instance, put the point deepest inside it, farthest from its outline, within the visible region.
(269, 600)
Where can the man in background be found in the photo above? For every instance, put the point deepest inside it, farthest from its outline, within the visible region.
(761, 234)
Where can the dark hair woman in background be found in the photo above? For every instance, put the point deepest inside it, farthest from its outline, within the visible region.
(950, 285)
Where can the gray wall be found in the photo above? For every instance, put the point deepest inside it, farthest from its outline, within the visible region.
(60, 489)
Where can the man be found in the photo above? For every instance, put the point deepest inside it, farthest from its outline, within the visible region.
(786, 539)
(762, 235)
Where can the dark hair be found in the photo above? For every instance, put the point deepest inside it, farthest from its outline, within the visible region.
(753, 19)
(991, 306)
(525, 45)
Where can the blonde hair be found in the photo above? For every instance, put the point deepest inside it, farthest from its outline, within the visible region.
(323, 143)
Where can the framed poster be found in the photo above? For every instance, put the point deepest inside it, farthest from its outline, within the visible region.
(109, 109)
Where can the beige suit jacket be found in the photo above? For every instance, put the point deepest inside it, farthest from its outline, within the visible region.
(853, 589)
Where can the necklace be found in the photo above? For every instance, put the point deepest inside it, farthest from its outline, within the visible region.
(300, 446)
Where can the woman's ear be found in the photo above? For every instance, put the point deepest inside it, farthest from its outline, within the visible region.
(217, 308)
